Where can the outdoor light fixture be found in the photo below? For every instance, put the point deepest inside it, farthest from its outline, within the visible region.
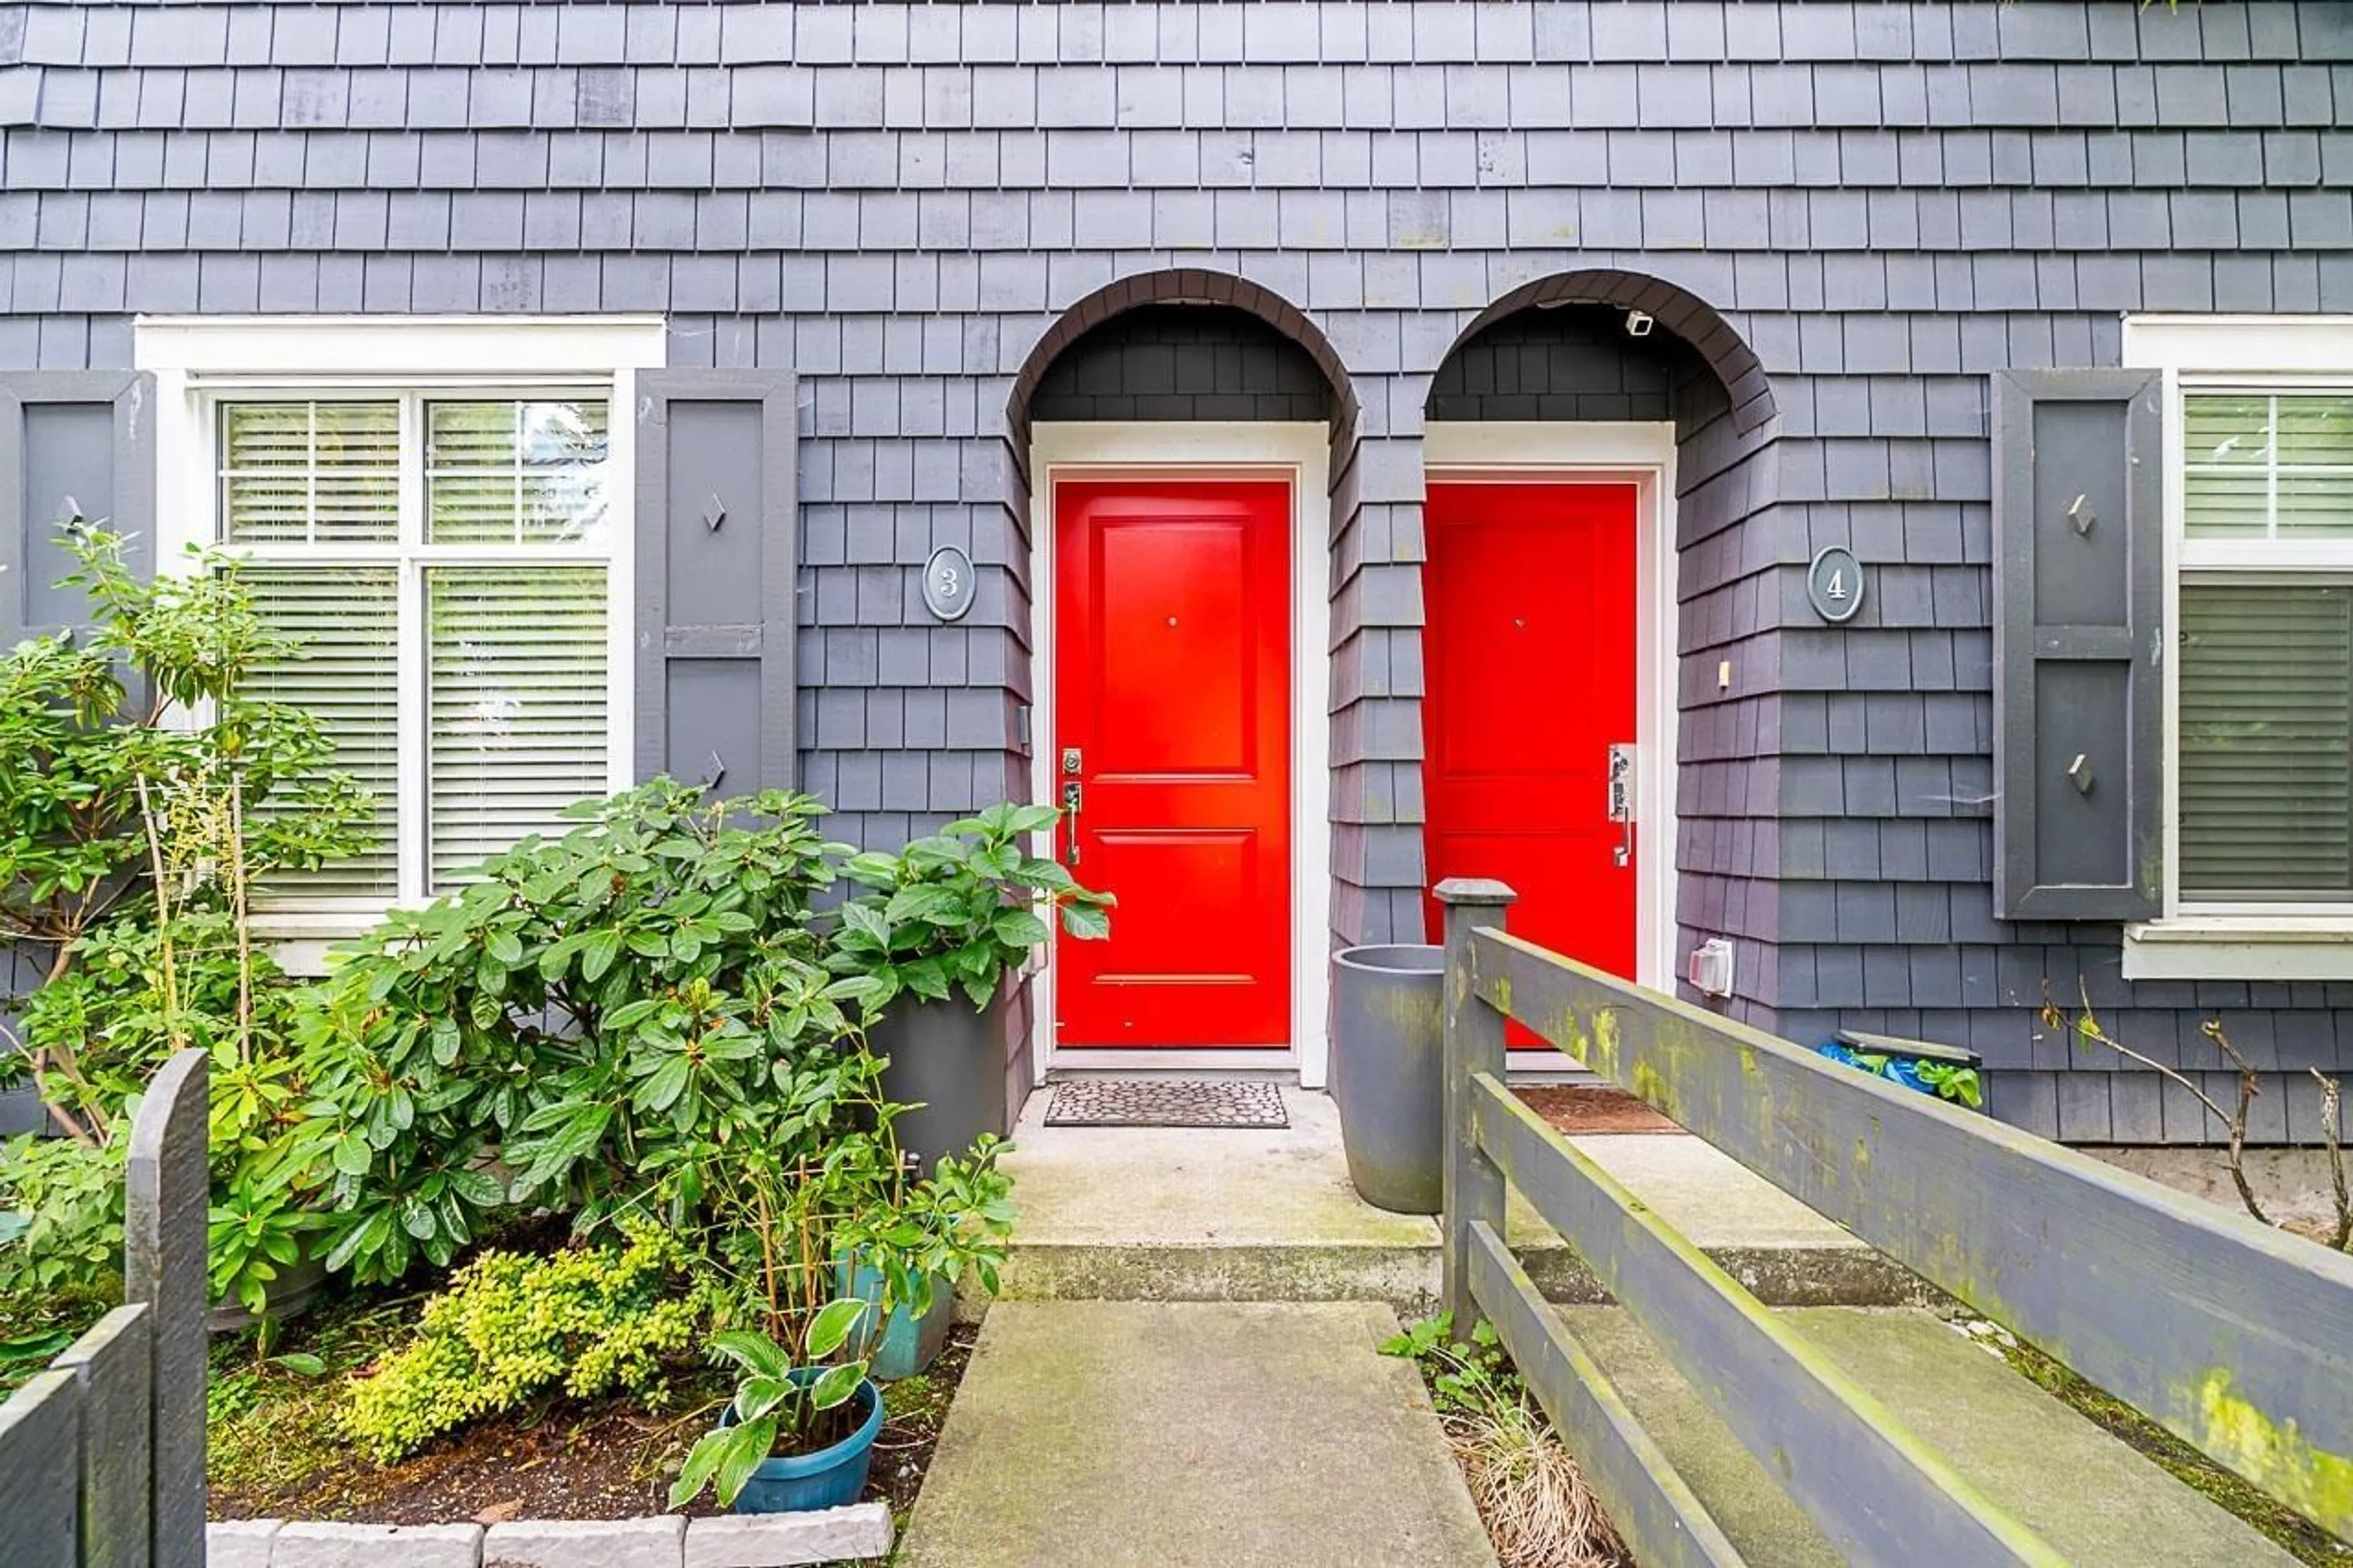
(1638, 324)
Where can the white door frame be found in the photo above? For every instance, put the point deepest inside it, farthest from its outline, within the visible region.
(1517, 452)
(1300, 454)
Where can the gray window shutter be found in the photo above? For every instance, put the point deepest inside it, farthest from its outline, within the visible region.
(2078, 542)
(72, 443)
(717, 532)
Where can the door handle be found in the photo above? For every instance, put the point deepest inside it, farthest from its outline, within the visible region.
(1073, 799)
(1621, 801)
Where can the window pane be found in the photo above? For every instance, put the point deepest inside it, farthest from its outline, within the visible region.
(2268, 466)
(342, 669)
(2229, 430)
(518, 705)
(2266, 789)
(311, 472)
(516, 472)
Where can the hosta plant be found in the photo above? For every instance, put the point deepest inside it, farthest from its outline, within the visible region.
(780, 1405)
(958, 910)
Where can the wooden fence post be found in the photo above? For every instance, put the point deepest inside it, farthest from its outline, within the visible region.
(163, 1243)
(1474, 1043)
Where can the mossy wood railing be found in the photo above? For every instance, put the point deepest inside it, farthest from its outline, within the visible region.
(2237, 1338)
(102, 1455)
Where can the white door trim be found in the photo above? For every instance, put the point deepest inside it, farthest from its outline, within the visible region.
(1515, 452)
(1300, 453)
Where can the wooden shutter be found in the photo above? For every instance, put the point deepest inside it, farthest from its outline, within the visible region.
(717, 532)
(72, 443)
(2078, 541)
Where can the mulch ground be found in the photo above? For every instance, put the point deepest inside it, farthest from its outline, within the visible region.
(605, 1460)
(1582, 1108)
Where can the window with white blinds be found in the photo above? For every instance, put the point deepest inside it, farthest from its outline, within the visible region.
(2264, 782)
(442, 563)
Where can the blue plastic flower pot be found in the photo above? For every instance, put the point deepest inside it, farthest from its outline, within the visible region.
(908, 1343)
(833, 1477)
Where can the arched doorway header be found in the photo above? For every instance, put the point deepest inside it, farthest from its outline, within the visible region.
(1682, 313)
(1180, 285)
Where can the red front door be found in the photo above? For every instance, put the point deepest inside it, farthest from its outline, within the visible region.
(1171, 701)
(1530, 591)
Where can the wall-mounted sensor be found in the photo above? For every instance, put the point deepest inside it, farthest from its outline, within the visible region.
(1638, 324)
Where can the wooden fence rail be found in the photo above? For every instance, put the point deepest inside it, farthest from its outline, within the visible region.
(103, 1456)
(2234, 1336)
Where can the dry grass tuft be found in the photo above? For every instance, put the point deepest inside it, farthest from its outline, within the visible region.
(1538, 1510)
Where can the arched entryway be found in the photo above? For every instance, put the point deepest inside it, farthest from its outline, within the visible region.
(1576, 442)
(1173, 443)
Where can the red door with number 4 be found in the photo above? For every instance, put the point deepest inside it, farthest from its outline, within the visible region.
(1172, 710)
(1530, 593)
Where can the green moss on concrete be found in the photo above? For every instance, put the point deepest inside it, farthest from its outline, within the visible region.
(2280, 1525)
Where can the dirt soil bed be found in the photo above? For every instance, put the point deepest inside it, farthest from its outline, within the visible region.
(610, 1459)
(1581, 1109)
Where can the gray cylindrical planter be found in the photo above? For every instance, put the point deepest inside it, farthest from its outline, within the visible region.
(1388, 1079)
(950, 1060)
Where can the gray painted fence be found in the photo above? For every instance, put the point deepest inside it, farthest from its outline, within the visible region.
(103, 1456)
(2236, 1337)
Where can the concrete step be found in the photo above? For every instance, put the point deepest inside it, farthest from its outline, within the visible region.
(1191, 1435)
(1228, 1214)
(2096, 1500)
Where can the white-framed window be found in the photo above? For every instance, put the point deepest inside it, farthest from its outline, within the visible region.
(2259, 692)
(438, 513)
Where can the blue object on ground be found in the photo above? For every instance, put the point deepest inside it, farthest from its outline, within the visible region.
(833, 1477)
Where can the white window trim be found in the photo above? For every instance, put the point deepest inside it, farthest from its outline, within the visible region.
(197, 360)
(1601, 452)
(1299, 452)
(2257, 354)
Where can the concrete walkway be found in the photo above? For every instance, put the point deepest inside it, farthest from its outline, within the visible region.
(1191, 1435)
(1227, 1215)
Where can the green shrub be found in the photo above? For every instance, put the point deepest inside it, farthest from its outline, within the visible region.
(589, 1320)
(147, 791)
(597, 1011)
(960, 909)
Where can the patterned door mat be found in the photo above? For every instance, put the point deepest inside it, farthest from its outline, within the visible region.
(1165, 1102)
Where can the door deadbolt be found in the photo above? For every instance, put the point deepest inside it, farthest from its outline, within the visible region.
(1072, 761)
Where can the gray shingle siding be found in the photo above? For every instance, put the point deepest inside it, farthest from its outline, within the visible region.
(1887, 202)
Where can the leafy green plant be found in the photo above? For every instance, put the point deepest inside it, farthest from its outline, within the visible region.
(958, 910)
(920, 1236)
(1530, 1494)
(582, 1027)
(588, 1319)
(155, 791)
(148, 790)
(778, 1404)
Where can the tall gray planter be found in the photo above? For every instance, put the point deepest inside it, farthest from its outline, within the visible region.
(950, 1060)
(1388, 1074)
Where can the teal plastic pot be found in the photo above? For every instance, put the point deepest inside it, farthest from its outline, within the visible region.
(907, 1343)
(833, 1477)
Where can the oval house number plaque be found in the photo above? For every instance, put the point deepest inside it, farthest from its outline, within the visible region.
(1834, 584)
(947, 582)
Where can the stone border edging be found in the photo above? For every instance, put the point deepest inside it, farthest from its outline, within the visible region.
(667, 1541)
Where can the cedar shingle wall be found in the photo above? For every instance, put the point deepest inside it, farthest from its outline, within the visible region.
(1885, 201)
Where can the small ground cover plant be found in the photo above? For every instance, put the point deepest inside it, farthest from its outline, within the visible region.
(511, 1325)
(1538, 1510)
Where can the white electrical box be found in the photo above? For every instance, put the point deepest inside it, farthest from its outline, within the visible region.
(1709, 967)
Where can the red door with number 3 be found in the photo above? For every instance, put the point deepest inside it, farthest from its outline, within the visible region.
(1173, 717)
(1530, 593)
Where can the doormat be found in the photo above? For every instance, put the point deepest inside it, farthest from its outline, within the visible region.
(1581, 1109)
(1165, 1102)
